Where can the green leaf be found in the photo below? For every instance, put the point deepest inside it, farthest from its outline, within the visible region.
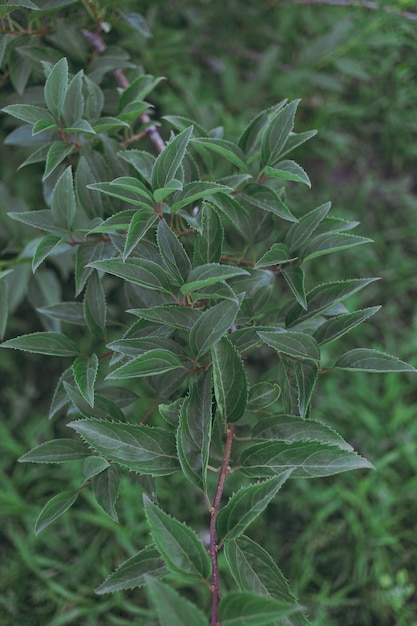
(73, 108)
(51, 343)
(295, 344)
(107, 124)
(142, 161)
(63, 203)
(230, 381)
(299, 233)
(169, 161)
(170, 315)
(84, 255)
(29, 113)
(42, 219)
(230, 151)
(105, 490)
(4, 306)
(69, 312)
(94, 465)
(254, 570)
(208, 245)
(135, 572)
(117, 222)
(250, 137)
(141, 222)
(305, 459)
(178, 545)
(324, 296)
(140, 272)
(170, 187)
(306, 375)
(266, 199)
(57, 152)
(291, 428)
(262, 395)
(338, 326)
(80, 126)
(144, 449)
(241, 608)
(130, 190)
(288, 170)
(54, 508)
(326, 243)
(210, 274)
(46, 246)
(180, 122)
(95, 310)
(56, 87)
(56, 451)
(173, 254)
(211, 326)
(138, 22)
(194, 431)
(191, 192)
(85, 374)
(246, 505)
(277, 132)
(276, 255)
(151, 363)
(294, 277)
(173, 609)
(371, 361)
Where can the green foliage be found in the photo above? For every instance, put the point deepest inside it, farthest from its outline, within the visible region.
(161, 275)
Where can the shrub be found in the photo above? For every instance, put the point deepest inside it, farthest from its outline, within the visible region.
(171, 282)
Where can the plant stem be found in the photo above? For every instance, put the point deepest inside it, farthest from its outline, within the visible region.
(213, 541)
(151, 131)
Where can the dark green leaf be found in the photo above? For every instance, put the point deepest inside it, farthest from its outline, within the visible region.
(105, 490)
(262, 395)
(130, 190)
(241, 608)
(46, 246)
(135, 572)
(56, 451)
(255, 571)
(4, 306)
(210, 274)
(141, 222)
(181, 123)
(140, 272)
(142, 161)
(268, 200)
(291, 428)
(73, 108)
(94, 465)
(117, 222)
(276, 255)
(172, 608)
(28, 113)
(294, 277)
(178, 544)
(194, 430)
(57, 152)
(230, 381)
(371, 361)
(56, 87)
(138, 22)
(84, 255)
(277, 132)
(70, 312)
(338, 326)
(288, 170)
(95, 310)
(295, 344)
(326, 243)
(151, 363)
(42, 219)
(299, 233)
(63, 204)
(306, 374)
(144, 449)
(246, 505)
(230, 151)
(169, 161)
(212, 324)
(85, 374)
(51, 343)
(208, 246)
(191, 192)
(324, 296)
(170, 315)
(305, 459)
(173, 254)
(54, 508)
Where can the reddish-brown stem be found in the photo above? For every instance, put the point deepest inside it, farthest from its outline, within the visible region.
(151, 131)
(149, 412)
(213, 540)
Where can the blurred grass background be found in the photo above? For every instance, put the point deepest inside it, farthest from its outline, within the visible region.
(348, 543)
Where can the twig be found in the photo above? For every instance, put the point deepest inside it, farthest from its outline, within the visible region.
(151, 131)
(365, 4)
(216, 506)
